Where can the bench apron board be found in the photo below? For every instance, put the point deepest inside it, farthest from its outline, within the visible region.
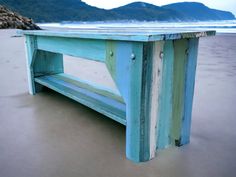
(153, 69)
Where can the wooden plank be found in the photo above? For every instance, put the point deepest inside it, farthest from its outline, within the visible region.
(142, 102)
(155, 89)
(84, 48)
(30, 45)
(135, 125)
(111, 58)
(105, 105)
(141, 36)
(40, 63)
(189, 89)
(119, 64)
(165, 99)
(101, 90)
(46, 63)
(180, 59)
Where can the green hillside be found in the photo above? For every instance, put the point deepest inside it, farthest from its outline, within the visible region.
(77, 10)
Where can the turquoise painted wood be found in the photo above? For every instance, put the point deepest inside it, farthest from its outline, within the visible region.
(137, 34)
(31, 52)
(103, 104)
(189, 89)
(153, 69)
(40, 63)
(84, 48)
(180, 57)
(166, 96)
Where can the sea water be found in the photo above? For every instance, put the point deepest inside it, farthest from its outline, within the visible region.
(224, 26)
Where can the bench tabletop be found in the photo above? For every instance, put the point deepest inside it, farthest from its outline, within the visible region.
(124, 34)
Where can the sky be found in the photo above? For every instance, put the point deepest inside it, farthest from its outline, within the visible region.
(228, 5)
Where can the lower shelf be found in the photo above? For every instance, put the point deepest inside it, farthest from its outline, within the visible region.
(72, 88)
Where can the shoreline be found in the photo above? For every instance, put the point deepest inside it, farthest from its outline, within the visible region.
(225, 26)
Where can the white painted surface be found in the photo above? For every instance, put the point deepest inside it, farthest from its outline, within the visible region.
(155, 90)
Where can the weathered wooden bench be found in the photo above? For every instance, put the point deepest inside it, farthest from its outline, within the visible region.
(153, 69)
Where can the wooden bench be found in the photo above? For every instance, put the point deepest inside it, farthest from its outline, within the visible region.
(153, 69)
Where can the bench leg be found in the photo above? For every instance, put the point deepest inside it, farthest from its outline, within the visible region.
(142, 103)
(190, 72)
(160, 97)
(130, 66)
(156, 80)
(40, 63)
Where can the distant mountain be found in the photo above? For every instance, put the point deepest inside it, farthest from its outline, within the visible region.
(58, 10)
(77, 10)
(198, 11)
(143, 11)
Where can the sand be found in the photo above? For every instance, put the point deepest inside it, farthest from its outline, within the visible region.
(49, 135)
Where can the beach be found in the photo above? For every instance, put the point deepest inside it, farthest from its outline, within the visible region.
(49, 135)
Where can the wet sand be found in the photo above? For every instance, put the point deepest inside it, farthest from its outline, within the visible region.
(49, 135)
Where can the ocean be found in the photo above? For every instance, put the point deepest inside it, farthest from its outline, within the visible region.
(224, 26)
